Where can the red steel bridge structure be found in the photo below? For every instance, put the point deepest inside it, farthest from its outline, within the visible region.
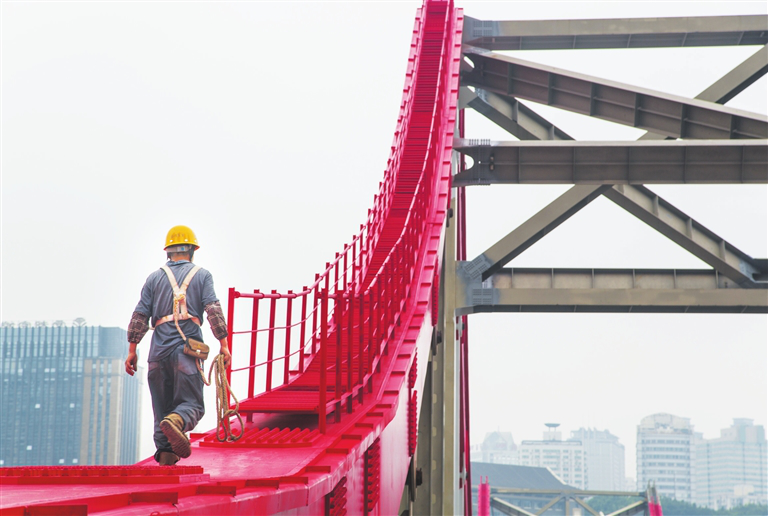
(362, 403)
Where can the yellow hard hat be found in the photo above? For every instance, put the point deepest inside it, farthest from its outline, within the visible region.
(181, 235)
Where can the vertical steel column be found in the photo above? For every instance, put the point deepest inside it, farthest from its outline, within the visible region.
(452, 494)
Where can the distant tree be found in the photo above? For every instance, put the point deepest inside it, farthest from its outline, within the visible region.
(672, 507)
(747, 510)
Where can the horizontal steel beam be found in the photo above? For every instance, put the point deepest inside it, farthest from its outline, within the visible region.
(713, 250)
(617, 33)
(511, 115)
(610, 291)
(608, 279)
(639, 162)
(655, 111)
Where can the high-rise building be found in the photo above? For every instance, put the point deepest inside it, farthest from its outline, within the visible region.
(604, 459)
(731, 469)
(566, 459)
(666, 456)
(497, 448)
(65, 397)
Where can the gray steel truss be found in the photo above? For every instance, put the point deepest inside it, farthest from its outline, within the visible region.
(532, 230)
(616, 33)
(707, 153)
(511, 115)
(640, 162)
(736, 284)
(607, 291)
(508, 508)
(689, 234)
(525, 124)
(731, 84)
(655, 111)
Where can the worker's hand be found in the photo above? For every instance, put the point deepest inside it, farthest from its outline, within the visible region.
(130, 363)
(227, 356)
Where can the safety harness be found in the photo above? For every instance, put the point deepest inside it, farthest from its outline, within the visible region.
(179, 300)
(223, 390)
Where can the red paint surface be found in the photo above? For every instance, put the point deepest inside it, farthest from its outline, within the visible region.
(351, 338)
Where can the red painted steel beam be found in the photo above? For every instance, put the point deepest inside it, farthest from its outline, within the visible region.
(298, 460)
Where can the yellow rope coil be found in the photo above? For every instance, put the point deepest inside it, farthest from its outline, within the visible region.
(223, 392)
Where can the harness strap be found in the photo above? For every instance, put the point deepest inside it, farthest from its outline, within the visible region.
(179, 299)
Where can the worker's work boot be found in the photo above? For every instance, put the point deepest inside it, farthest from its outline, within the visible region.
(173, 428)
(167, 459)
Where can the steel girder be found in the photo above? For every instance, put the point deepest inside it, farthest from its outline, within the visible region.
(511, 115)
(608, 291)
(655, 111)
(731, 84)
(640, 162)
(616, 33)
(525, 124)
(484, 286)
(692, 236)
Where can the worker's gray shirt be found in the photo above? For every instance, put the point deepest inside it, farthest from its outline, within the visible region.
(157, 301)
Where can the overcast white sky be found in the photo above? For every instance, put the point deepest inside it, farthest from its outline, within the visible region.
(266, 128)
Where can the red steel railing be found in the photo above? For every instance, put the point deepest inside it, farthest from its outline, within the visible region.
(347, 315)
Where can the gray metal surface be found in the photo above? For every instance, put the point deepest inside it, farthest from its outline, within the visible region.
(610, 291)
(655, 111)
(611, 279)
(511, 115)
(713, 250)
(738, 79)
(616, 33)
(731, 84)
(641, 162)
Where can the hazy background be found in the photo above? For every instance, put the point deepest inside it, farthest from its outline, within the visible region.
(266, 128)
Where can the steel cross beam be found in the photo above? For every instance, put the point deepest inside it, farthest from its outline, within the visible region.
(738, 79)
(639, 162)
(616, 33)
(655, 111)
(525, 124)
(690, 235)
(731, 84)
(511, 115)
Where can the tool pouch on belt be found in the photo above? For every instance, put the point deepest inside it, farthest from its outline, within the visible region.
(196, 348)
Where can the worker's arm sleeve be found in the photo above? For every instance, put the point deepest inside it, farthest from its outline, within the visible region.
(138, 327)
(216, 320)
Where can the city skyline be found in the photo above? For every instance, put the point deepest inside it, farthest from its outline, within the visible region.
(630, 454)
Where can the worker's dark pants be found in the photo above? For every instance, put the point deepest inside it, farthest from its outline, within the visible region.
(176, 386)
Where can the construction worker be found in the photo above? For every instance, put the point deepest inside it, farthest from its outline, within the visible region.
(175, 379)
